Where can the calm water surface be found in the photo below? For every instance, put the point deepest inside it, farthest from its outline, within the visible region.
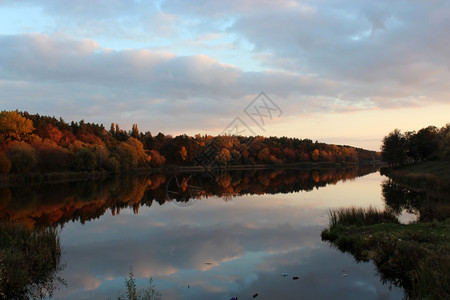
(215, 247)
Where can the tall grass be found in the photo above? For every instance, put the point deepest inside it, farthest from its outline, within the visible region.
(360, 216)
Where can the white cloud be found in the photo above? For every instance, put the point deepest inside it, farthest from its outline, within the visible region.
(312, 56)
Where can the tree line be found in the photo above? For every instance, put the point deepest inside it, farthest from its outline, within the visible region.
(427, 144)
(30, 142)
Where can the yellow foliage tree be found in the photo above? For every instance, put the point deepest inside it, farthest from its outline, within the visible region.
(183, 153)
(315, 155)
(13, 126)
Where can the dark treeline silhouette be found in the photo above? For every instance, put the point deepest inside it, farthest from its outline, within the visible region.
(47, 144)
(52, 204)
(430, 143)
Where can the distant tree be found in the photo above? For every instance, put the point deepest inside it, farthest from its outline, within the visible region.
(264, 156)
(13, 126)
(85, 160)
(51, 156)
(89, 138)
(224, 156)
(303, 157)
(132, 154)
(325, 155)
(54, 133)
(135, 131)
(157, 160)
(22, 156)
(445, 147)
(393, 149)
(289, 154)
(112, 129)
(426, 142)
(183, 153)
(315, 155)
(112, 165)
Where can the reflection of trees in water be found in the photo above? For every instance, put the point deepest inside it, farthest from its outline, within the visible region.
(29, 262)
(415, 256)
(47, 204)
(399, 198)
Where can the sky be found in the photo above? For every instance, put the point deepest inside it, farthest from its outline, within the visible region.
(344, 72)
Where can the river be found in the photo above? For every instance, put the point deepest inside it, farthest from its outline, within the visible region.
(252, 234)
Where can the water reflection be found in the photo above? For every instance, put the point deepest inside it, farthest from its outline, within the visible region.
(29, 262)
(50, 204)
(215, 249)
(428, 208)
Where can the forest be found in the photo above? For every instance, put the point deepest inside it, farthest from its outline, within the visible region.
(34, 143)
(427, 144)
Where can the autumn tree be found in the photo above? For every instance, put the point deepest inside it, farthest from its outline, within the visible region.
(54, 133)
(224, 156)
(183, 153)
(13, 126)
(22, 156)
(51, 156)
(85, 160)
(157, 160)
(315, 155)
(132, 154)
(135, 131)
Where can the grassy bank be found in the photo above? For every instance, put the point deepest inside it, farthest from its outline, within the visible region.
(414, 256)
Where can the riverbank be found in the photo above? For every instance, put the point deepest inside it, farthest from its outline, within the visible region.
(414, 256)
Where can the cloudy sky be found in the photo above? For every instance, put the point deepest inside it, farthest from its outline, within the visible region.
(345, 72)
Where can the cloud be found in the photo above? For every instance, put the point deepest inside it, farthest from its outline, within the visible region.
(179, 66)
(84, 75)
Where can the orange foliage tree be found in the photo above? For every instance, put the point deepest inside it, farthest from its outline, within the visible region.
(13, 126)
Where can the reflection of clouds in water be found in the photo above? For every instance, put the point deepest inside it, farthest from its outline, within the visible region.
(247, 242)
(320, 277)
(165, 252)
